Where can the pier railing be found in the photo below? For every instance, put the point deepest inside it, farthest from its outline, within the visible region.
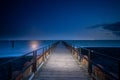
(25, 66)
(98, 65)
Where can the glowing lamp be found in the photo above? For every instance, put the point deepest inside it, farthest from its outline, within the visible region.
(34, 45)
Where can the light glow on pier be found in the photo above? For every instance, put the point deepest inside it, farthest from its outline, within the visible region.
(34, 44)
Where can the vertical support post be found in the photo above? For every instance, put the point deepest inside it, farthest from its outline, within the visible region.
(89, 63)
(10, 71)
(80, 50)
(43, 54)
(71, 50)
(49, 49)
(78, 53)
(34, 60)
(69, 47)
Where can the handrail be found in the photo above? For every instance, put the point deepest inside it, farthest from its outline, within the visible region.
(98, 53)
(33, 59)
(20, 56)
(90, 62)
(11, 60)
(23, 55)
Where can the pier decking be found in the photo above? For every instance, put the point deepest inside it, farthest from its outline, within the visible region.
(61, 66)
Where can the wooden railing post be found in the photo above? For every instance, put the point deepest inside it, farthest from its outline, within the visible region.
(10, 71)
(46, 52)
(34, 60)
(72, 50)
(43, 54)
(80, 50)
(49, 49)
(89, 63)
(70, 47)
(78, 53)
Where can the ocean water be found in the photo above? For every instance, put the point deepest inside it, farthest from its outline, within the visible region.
(20, 47)
(94, 43)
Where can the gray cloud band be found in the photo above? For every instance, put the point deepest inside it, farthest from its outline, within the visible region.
(113, 27)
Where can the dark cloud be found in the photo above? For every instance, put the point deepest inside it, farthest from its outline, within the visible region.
(95, 26)
(113, 27)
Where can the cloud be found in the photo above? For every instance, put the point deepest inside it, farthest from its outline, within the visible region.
(95, 26)
(113, 27)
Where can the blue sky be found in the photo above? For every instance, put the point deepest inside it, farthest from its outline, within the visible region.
(58, 19)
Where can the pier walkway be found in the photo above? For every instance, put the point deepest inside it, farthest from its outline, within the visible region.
(61, 65)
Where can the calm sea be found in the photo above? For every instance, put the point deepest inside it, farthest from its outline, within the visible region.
(20, 47)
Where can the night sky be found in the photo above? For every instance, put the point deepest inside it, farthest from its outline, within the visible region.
(60, 19)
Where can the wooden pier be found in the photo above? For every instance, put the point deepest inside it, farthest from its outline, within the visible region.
(61, 66)
(59, 61)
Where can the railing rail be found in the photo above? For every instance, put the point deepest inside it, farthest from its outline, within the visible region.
(94, 69)
(37, 57)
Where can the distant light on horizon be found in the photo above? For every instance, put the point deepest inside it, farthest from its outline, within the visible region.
(34, 44)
